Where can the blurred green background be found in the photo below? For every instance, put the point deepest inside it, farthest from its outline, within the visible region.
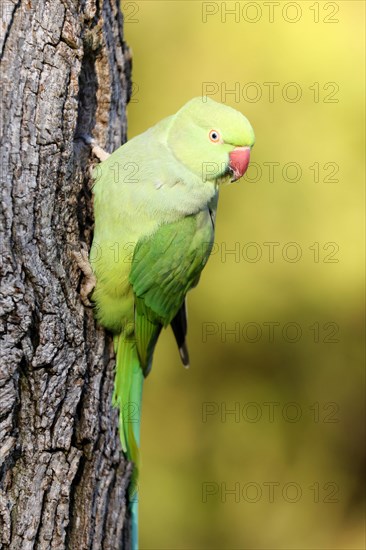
(292, 454)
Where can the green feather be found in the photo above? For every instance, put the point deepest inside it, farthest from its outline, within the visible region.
(168, 263)
(127, 397)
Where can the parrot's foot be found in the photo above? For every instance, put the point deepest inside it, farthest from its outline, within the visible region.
(99, 152)
(89, 282)
(96, 150)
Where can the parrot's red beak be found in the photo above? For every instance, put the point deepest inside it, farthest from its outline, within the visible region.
(239, 161)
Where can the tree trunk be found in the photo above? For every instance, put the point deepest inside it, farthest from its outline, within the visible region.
(63, 478)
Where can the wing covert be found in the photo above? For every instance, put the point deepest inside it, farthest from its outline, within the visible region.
(168, 263)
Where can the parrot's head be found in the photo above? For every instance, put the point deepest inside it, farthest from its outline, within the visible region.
(211, 139)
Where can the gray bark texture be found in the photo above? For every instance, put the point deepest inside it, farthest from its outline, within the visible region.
(65, 71)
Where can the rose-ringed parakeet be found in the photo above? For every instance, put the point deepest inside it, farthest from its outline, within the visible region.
(155, 202)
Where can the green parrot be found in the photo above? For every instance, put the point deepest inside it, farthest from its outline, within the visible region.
(155, 201)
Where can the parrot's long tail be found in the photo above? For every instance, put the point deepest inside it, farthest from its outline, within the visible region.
(127, 396)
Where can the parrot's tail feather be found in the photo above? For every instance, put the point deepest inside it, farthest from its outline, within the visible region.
(134, 523)
(183, 352)
(127, 396)
(179, 326)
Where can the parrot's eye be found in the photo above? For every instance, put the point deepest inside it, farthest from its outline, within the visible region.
(214, 136)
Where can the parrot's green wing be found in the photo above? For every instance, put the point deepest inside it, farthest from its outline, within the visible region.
(164, 267)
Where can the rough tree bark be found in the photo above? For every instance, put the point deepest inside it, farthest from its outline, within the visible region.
(63, 479)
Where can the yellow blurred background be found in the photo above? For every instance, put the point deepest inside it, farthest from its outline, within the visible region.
(276, 323)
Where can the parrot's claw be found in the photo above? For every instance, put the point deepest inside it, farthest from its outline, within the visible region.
(89, 282)
(97, 151)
